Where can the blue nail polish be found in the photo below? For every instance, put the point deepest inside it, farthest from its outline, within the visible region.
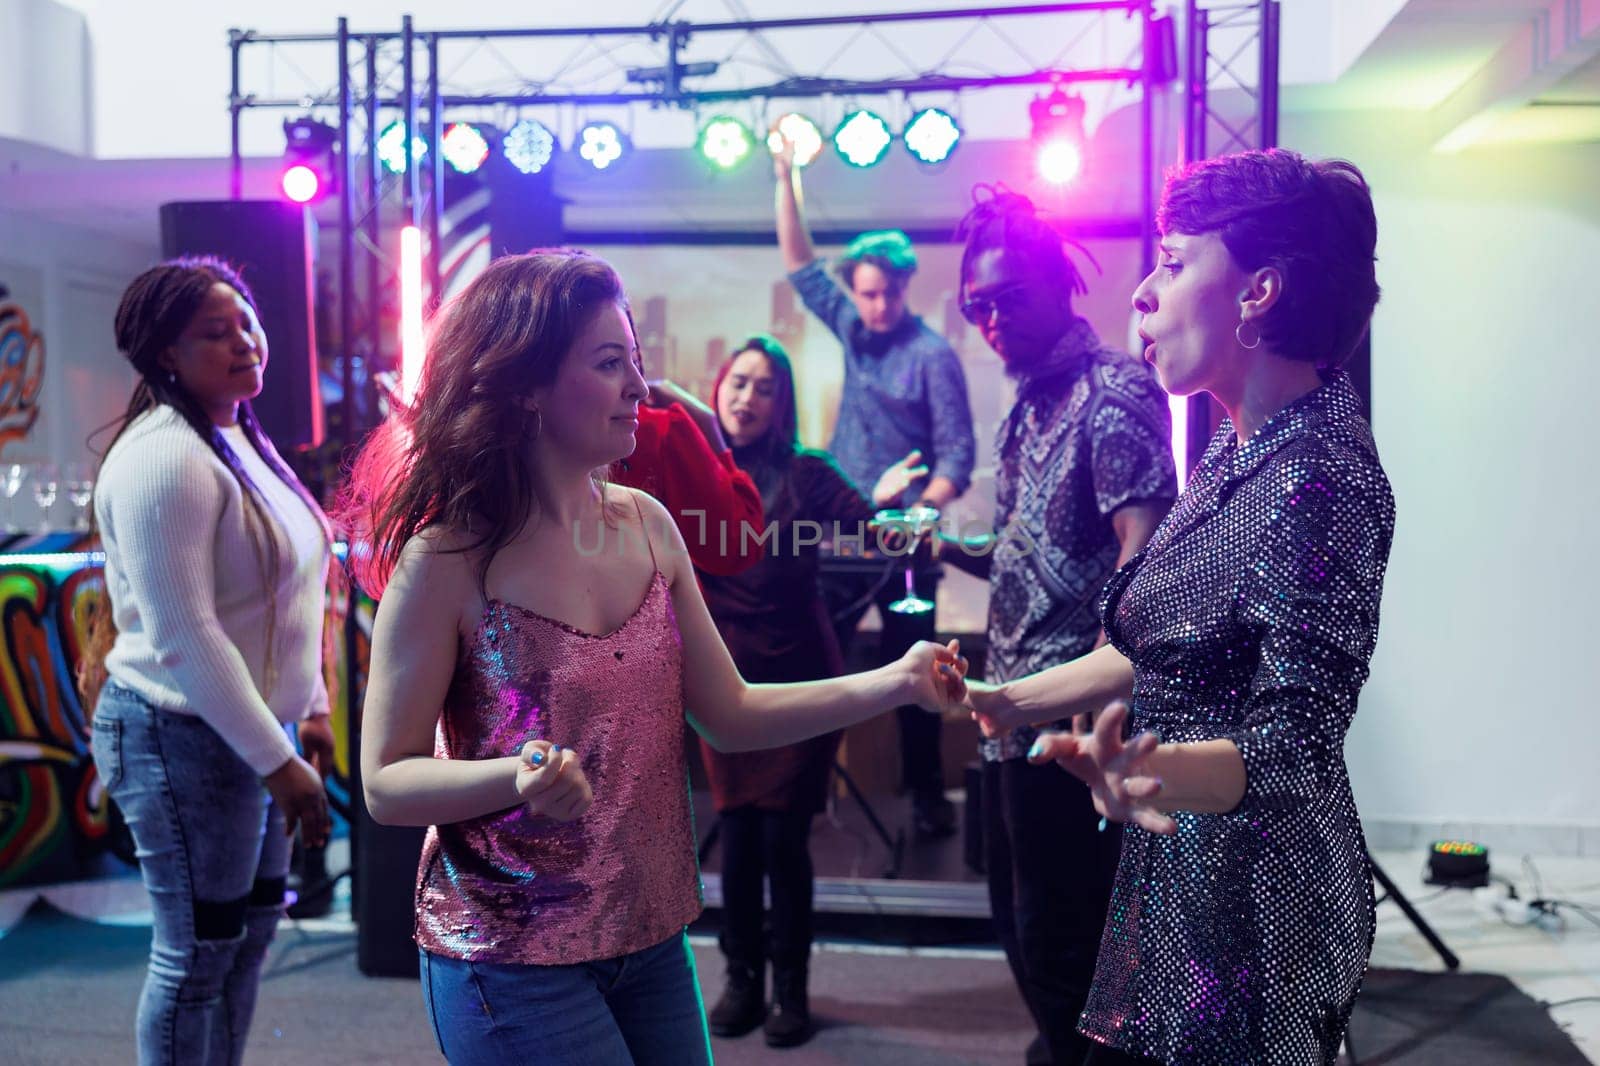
(554, 748)
(537, 758)
(1102, 827)
(1037, 749)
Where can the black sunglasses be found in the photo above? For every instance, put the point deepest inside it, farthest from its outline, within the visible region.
(979, 310)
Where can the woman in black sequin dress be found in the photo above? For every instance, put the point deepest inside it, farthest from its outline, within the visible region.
(1242, 916)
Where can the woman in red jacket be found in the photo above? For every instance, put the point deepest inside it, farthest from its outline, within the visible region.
(683, 460)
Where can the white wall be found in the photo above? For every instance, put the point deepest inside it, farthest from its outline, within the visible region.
(79, 277)
(1480, 717)
(46, 90)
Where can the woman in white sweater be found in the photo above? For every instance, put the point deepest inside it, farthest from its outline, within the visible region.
(216, 559)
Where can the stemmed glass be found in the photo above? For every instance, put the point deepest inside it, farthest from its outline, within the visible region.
(918, 522)
(44, 493)
(12, 475)
(80, 490)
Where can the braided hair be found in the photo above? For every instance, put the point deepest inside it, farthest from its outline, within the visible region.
(1000, 218)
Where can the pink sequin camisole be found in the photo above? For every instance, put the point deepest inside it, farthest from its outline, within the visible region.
(514, 887)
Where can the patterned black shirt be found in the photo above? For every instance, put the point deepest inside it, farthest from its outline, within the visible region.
(1251, 616)
(903, 390)
(1090, 432)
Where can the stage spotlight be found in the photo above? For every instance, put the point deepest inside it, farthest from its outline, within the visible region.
(1058, 138)
(1059, 161)
(309, 173)
(803, 132)
(529, 145)
(464, 147)
(931, 135)
(725, 142)
(391, 147)
(601, 144)
(862, 138)
(301, 184)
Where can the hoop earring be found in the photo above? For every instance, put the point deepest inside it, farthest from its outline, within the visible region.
(1238, 335)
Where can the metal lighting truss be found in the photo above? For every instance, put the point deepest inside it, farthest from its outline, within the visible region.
(1230, 105)
(662, 64)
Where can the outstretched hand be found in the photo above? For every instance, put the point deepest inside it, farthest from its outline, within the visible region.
(982, 701)
(782, 149)
(1115, 770)
(551, 781)
(938, 675)
(899, 477)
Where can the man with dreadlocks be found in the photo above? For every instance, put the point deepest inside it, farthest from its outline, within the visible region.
(1084, 475)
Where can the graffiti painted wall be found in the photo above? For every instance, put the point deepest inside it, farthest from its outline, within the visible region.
(54, 821)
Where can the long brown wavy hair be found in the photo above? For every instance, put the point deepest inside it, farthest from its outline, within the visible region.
(457, 456)
(155, 310)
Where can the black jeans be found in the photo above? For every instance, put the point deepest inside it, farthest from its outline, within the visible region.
(770, 845)
(1050, 873)
(921, 763)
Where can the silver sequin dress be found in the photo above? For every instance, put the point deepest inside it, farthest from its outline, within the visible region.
(1251, 615)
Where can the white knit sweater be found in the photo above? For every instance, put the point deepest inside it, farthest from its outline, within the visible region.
(187, 591)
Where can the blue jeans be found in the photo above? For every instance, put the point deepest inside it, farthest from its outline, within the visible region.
(214, 856)
(641, 1009)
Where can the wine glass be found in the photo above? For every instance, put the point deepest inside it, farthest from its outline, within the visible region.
(80, 490)
(12, 475)
(918, 522)
(45, 484)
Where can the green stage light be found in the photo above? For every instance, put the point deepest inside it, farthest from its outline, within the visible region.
(862, 138)
(725, 142)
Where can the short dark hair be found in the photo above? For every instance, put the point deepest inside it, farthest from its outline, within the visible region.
(1312, 221)
(887, 249)
(1004, 219)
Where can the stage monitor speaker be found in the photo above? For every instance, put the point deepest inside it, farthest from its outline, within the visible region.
(270, 242)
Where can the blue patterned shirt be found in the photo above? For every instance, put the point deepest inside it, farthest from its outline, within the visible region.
(1090, 432)
(903, 390)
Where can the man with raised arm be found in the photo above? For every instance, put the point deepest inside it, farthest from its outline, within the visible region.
(904, 391)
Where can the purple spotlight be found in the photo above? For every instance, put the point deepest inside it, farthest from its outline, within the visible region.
(301, 183)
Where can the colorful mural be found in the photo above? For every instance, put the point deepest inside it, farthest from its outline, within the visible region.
(54, 817)
(56, 823)
(21, 370)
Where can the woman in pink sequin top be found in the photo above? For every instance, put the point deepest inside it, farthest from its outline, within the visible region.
(540, 641)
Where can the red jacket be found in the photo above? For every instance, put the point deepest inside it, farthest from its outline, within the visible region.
(673, 463)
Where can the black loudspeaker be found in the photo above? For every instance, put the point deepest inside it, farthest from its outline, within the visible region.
(383, 890)
(270, 242)
(524, 212)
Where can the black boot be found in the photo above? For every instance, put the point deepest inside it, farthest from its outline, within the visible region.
(743, 1000)
(789, 1021)
(308, 878)
(933, 817)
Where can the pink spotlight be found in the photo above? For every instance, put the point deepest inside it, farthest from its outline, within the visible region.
(301, 184)
(411, 342)
(1059, 160)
